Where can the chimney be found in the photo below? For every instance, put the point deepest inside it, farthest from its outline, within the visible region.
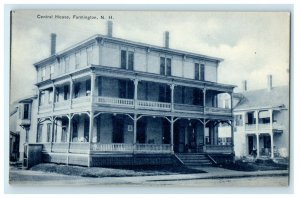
(109, 28)
(167, 38)
(244, 85)
(53, 44)
(269, 82)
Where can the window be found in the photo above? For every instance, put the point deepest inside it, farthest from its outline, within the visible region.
(77, 60)
(26, 111)
(196, 71)
(66, 92)
(238, 120)
(42, 98)
(89, 52)
(126, 89)
(202, 72)
(199, 72)
(127, 60)
(50, 97)
(165, 66)
(57, 94)
(43, 73)
(51, 70)
(48, 132)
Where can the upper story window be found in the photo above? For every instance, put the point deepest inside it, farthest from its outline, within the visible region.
(26, 111)
(52, 70)
(165, 66)
(43, 73)
(89, 52)
(77, 60)
(199, 71)
(127, 59)
(238, 120)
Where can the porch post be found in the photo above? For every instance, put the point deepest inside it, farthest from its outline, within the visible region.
(257, 145)
(204, 100)
(71, 91)
(256, 119)
(271, 133)
(232, 136)
(134, 128)
(93, 79)
(91, 126)
(231, 101)
(172, 133)
(204, 140)
(172, 86)
(136, 82)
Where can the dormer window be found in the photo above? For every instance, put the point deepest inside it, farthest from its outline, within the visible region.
(165, 66)
(127, 59)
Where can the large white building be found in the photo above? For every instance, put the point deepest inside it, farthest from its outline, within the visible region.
(110, 101)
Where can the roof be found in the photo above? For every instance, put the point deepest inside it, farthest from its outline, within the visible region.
(120, 40)
(264, 98)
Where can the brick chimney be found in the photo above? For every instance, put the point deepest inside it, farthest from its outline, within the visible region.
(53, 44)
(269, 82)
(109, 28)
(244, 85)
(167, 39)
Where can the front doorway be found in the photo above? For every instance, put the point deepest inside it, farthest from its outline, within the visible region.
(250, 145)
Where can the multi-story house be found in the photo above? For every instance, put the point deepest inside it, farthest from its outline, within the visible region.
(261, 121)
(110, 101)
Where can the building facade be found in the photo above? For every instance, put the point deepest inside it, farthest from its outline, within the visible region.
(110, 101)
(261, 122)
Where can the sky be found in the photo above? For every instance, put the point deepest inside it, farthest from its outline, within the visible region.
(252, 44)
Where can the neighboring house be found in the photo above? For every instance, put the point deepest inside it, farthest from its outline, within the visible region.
(14, 137)
(110, 101)
(261, 126)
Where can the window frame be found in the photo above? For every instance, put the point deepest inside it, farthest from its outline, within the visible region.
(165, 68)
(126, 53)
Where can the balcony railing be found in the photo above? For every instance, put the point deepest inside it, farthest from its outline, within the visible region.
(187, 107)
(62, 105)
(264, 126)
(250, 127)
(153, 148)
(115, 101)
(144, 104)
(218, 148)
(81, 101)
(217, 110)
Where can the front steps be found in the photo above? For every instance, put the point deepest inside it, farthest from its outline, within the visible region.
(194, 159)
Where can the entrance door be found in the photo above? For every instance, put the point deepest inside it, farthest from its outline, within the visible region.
(118, 130)
(250, 145)
(141, 132)
(191, 139)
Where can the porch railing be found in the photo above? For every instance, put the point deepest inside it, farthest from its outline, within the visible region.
(187, 107)
(115, 101)
(62, 105)
(144, 104)
(264, 126)
(120, 147)
(250, 127)
(217, 110)
(81, 101)
(153, 148)
(79, 147)
(60, 147)
(218, 149)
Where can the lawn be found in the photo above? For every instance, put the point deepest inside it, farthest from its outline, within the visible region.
(125, 171)
(258, 165)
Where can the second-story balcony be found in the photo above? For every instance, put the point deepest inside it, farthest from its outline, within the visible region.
(264, 127)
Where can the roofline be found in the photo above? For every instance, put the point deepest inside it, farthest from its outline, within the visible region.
(27, 99)
(261, 108)
(120, 40)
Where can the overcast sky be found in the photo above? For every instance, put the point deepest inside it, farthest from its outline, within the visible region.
(252, 45)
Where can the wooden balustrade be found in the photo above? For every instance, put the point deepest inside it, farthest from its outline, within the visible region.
(62, 105)
(115, 101)
(145, 104)
(153, 148)
(114, 147)
(217, 110)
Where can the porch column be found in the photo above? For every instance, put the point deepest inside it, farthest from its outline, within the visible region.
(257, 145)
(271, 133)
(93, 79)
(204, 101)
(136, 82)
(71, 91)
(91, 126)
(172, 86)
(256, 119)
(134, 128)
(172, 133)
